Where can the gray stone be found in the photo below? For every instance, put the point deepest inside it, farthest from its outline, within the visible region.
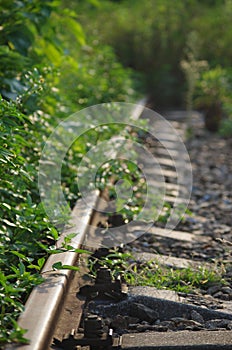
(132, 320)
(160, 328)
(155, 328)
(119, 322)
(196, 316)
(219, 295)
(182, 323)
(166, 260)
(225, 297)
(143, 312)
(226, 290)
(214, 289)
(132, 326)
(144, 328)
(168, 324)
(171, 305)
(218, 323)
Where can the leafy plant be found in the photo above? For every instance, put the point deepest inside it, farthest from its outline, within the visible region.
(44, 78)
(213, 87)
(152, 273)
(212, 94)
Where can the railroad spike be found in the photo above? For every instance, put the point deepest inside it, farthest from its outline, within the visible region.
(105, 287)
(96, 335)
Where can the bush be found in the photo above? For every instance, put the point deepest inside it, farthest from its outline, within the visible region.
(226, 127)
(152, 36)
(213, 96)
(98, 78)
(149, 37)
(44, 78)
(23, 221)
(213, 25)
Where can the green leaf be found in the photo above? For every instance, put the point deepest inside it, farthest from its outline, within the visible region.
(41, 262)
(58, 266)
(70, 267)
(69, 237)
(68, 247)
(19, 255)
(54, 233)
(74, 27)
(21, 38)
(82, 251)
(36, 267)
(42, 246)
(55, 251)
(21, 268)
(95, 3)
(49, 50)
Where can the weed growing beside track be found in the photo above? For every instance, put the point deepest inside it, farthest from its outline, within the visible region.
(43, 79)
(152, 273)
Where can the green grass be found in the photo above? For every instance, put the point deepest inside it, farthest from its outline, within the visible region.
(180, 280)
(152, 273)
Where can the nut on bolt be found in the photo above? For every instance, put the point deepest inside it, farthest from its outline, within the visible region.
(103, 275)
(93, 326)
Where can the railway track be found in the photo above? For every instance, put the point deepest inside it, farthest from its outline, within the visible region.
(71, 311)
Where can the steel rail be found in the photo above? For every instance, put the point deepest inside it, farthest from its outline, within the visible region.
(44, 304)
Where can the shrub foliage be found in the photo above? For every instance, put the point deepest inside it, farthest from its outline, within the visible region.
(49, 69)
